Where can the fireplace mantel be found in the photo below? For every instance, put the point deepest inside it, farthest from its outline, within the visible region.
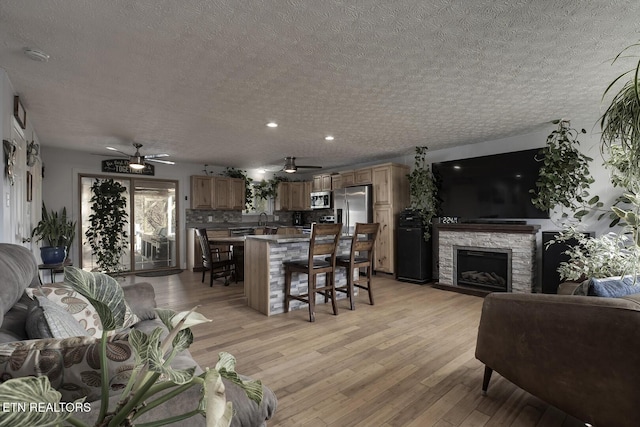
(493, 227)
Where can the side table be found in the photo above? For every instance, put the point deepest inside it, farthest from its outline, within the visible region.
(55, 268)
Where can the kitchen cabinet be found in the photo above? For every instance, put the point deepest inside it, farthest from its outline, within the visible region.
(217, 192)
(363, 176)
(390, 196)
(384, 246)
(336, 182)
(201, 192)
(348, 179)
(294, 196)
(237, 188)
(322, 183)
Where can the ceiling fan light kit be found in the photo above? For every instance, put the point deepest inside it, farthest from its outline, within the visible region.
(290, 165)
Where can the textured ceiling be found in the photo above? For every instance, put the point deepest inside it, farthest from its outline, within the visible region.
(199, 79)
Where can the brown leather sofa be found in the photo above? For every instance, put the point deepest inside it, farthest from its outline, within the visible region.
(578, 353)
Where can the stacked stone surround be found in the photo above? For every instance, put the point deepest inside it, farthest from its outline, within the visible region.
(519, 239)
(290, 251)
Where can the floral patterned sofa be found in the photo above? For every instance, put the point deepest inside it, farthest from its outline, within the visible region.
(51, 330)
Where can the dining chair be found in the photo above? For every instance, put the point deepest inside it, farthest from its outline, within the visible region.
(219, 263)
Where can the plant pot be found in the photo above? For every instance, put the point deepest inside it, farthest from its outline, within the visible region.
(53, 254)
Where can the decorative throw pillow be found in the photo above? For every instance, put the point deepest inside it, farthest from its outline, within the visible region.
(78, 306)
(613, 287)
(46, 319)
(72, 364)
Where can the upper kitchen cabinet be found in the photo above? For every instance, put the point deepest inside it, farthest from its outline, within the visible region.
(294, 196)
(363, 176)
(336, 181)
(348, 179)
(201, 192)
(217, 192)
(390, 184)
(322, 183)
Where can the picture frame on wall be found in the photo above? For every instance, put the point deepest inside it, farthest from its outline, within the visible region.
(29, 186)
(19, 112)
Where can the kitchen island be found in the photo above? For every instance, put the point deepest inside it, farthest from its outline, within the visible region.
(264, 272)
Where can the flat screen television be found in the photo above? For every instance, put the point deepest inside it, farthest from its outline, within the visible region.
(489, 187)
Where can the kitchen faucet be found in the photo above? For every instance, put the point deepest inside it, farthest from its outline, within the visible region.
(266, 218)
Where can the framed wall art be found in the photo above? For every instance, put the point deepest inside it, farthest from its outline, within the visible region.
(19, 112)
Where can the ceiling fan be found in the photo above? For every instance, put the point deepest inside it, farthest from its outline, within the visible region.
(291, 167)
(137, 160)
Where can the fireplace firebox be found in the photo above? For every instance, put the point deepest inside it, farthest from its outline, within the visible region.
(484, 268)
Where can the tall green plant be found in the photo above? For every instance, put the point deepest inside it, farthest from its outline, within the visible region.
(107, 233)
(151, 376)
(423, 190)
(564, 178)
(620, 140)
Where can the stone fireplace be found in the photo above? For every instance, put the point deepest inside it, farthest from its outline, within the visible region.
(481, 268)
(488, 256)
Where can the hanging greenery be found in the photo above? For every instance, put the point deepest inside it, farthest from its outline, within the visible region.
(564, 178)
(423, 190)
(107, 232)
(268, 189)
(248, 196)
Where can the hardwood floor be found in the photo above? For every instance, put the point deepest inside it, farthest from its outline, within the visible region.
(407, 361)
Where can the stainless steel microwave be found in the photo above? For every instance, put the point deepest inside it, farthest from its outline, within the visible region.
(321, 200)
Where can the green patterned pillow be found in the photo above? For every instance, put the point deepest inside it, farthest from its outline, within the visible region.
(78, 306)
(72, 364)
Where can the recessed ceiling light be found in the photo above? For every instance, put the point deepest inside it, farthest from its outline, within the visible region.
(329, 138)
(272, 125)
(36, 54)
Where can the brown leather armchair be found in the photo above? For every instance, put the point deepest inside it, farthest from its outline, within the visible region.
(577, 353)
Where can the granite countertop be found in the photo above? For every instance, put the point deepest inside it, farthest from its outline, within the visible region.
(232, 225)
(283, 238)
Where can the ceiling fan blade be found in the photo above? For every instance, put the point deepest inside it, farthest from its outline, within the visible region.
(154, 156)
(166, 162)
(309, 167)
(118, 151)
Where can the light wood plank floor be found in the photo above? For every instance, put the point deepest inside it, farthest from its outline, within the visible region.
(407, 361)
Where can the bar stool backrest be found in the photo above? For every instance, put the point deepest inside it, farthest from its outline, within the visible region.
(324, 241)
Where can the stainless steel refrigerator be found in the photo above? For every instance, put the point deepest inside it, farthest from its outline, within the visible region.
(351, 205)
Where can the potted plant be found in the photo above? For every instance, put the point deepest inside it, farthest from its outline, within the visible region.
(57, 231)
(107, 232)
(616, 254)
(564, 177)
(423, 190)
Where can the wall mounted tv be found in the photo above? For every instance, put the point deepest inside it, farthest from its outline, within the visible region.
(489, 187)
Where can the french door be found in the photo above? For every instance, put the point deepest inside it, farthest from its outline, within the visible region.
(152, 227)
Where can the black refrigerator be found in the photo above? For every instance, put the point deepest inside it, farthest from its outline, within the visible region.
(413, 252)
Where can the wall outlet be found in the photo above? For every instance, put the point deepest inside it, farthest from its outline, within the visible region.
(210, 218)
(276, 218)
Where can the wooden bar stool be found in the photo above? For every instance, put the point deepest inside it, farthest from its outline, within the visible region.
(363, 240)
(324, 241)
